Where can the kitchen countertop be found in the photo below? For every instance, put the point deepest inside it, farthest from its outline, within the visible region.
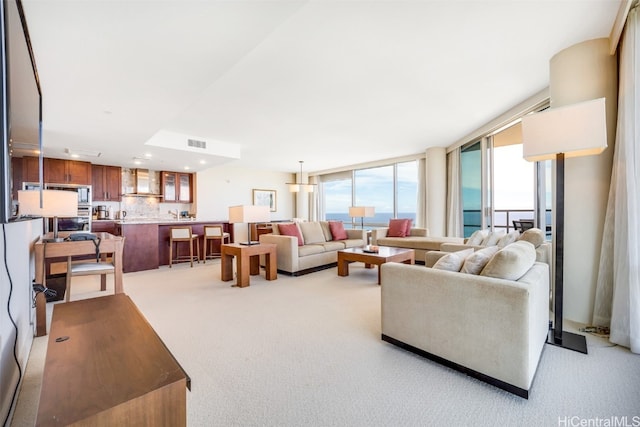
(159, 221)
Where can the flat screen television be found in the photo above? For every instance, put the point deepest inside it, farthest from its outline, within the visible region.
(21, 108)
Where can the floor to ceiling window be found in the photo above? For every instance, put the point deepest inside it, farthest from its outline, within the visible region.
(391, 189)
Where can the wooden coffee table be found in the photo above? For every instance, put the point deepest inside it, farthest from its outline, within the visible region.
(247, 262)
(384, 254)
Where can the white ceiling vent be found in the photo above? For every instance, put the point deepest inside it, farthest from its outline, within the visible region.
(197, 144)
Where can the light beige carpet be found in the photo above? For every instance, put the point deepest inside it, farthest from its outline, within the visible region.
(306, 351)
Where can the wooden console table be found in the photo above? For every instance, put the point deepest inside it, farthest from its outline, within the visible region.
(105, 365)
(247, 261)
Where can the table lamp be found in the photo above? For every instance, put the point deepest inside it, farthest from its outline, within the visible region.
(362, 212)
(559, 133)
(249, 214)
(55, 203)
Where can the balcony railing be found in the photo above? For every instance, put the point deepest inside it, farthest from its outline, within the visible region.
(503, 219)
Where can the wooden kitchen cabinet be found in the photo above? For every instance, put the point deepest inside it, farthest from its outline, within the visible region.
(177, 187)
(106, 182)
(59, 171)
(24, 169)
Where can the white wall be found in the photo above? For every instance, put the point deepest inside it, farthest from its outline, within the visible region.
(579, 73)
(19, 238)
(219, 187)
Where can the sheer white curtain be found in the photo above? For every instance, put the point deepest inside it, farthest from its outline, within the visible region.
(454, 210)
(617, 301)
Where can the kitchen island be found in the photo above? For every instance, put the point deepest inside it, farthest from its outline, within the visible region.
(147, 240)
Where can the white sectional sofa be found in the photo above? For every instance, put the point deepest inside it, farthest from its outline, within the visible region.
(418, 240)
(488, 327)
(319, 249)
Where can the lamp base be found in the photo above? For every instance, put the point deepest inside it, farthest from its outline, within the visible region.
(249, 243)
(569, 340)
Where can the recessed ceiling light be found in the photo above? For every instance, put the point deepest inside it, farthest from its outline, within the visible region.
(147, 155)
(187, 168)
(203, 162)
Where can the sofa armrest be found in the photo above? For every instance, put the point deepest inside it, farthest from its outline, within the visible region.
(378, 233)
(286, 251)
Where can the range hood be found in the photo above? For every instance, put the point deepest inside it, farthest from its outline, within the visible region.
(142, 184)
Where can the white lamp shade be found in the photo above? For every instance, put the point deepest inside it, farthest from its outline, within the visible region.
(575, 130)
(362, 211)
(54, 203)
(249, 214)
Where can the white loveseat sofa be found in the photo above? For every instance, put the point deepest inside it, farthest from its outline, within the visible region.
(319, 249)
(488, 327)
(418, 240)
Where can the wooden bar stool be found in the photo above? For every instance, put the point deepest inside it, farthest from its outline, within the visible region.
(211, 234)
(179, 235)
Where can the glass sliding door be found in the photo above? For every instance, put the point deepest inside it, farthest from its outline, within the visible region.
(471, 183)
(374, 187)
(337, 192)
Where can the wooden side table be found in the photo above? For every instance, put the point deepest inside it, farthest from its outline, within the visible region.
(247, 261)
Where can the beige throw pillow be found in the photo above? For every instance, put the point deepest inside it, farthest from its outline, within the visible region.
(453, 261)
(511, 262)
(478, 260)
(312, 232)
(477, 237)
(535, 236)
(509, 238)
(493, 237)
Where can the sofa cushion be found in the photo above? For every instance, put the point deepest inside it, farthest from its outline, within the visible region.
(477, 237)
(312, 232)
(511, 262)
(333, 246)
(493, 237)
(453, 261)
(535, 236)
(508, 239)
(398, 227)
(337, 230)
(475, 262)
(291, 230)
(307, 250)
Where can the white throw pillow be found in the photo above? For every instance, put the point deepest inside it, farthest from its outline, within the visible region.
(452, 261)
(509, 238)
(478, 260)
(493, 237)
(511, 262)
(535, 236)
(312, 232)
(477, 237)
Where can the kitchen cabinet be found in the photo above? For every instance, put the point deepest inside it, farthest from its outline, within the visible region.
(23, 169)
(105, 226)
(59, 171)
(106, 182)
(177, 187)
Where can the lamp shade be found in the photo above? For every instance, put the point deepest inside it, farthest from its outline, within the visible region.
(249, 214)
(362, 211)
(575, 130)
(55, 203)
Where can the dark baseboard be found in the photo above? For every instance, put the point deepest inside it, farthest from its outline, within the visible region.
(470, 372)
(309, 270)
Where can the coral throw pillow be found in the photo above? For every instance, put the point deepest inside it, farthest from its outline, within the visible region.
(398, 227)
(337, 230)
(291, 230)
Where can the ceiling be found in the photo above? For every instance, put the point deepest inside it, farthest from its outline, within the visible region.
(268, 83)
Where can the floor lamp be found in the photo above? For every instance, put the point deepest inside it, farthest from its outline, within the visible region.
(55, 203)
(362, 212)
(558, 133)
(249, 214)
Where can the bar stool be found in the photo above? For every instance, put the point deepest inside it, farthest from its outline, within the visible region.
(212, 233)
(179, 235)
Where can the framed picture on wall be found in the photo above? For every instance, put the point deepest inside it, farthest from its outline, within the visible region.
(265, 198)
